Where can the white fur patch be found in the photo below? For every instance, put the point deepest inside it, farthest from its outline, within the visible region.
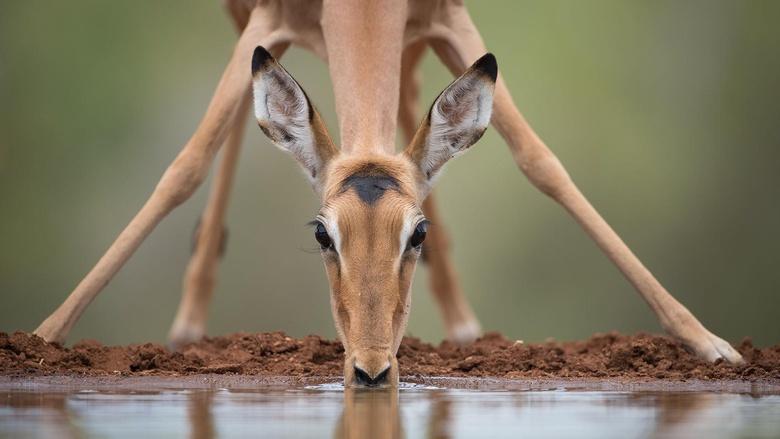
(410, 222)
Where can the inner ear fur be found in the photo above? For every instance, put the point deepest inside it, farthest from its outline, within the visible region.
(287, 117)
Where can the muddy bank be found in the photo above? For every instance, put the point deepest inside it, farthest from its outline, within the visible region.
(602, 356)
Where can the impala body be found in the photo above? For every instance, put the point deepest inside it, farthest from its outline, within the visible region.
(377, 212)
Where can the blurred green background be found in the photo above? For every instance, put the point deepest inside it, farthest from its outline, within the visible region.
(666, 113)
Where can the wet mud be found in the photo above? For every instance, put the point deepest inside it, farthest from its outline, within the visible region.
(611, 356)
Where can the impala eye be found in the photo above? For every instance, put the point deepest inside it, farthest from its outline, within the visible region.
(322, 237)
(419, 234)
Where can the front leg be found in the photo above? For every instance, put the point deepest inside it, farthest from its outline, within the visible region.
(458, 42)
(178, 182)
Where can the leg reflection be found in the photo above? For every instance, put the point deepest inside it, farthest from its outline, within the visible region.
(370, 414)
(439, 421)
(199, 414)
(682, 414)
(41, 414)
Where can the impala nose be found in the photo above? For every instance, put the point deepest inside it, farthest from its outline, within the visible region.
(363, 378)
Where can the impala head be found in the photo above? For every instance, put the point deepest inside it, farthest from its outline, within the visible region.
(370, 225)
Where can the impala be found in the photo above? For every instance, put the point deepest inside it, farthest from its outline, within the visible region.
(376, 204)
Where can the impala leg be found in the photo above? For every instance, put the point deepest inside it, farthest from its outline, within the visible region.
(177, 184)
(459, 321)
(209, 242)
(210, 237)
(458, 45)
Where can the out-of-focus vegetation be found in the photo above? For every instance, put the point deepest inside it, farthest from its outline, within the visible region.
(666, 113)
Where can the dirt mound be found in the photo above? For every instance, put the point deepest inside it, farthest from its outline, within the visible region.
(275, 354)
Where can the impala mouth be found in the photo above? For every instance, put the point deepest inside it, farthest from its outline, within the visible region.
(371, 369)
(362, 378)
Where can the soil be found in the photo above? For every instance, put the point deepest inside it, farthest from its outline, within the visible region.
(603, 356)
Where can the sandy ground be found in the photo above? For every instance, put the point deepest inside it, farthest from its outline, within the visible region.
(643, 361)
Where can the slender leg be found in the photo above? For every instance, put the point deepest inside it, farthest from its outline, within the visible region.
(178, 182)
(458, 43)
(201, 273)
(459, 320)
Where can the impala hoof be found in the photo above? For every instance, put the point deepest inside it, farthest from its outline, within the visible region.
(180, 336)
(712, 348)
(465, 333)
(716, 348)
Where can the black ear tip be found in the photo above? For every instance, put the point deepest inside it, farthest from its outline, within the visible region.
(260, 58)
(487, 65)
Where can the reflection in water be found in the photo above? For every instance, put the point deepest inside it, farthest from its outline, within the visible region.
(677, 412)
(52, 418)
(370, 413)
(199, 415)
(439, 420)
(412, 412)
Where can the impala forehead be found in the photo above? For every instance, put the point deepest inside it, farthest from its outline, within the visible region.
(370, 187)
(370, 177)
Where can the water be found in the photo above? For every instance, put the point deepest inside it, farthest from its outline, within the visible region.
(413, 411)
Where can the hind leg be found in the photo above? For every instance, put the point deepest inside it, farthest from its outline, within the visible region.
(209, 242)
(210, 237)
(459, 321)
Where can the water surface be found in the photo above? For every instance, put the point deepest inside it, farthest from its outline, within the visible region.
(414, 411)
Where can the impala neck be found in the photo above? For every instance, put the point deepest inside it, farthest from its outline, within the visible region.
(364, 40)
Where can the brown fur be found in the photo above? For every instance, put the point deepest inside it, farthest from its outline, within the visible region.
(369, 290)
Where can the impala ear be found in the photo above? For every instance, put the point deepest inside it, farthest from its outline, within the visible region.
(286, 116)
(457, 119)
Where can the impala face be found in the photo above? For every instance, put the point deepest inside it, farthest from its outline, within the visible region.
(370, 226)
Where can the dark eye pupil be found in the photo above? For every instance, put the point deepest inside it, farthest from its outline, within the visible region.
(419, 235)
(322, 237)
